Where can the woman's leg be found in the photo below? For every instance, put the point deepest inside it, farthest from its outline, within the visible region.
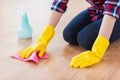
(116, 32)
(76, 25)
(88, 35)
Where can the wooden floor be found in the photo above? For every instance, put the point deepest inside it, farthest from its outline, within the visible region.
(60, 53)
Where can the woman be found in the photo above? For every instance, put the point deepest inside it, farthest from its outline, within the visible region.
(93, 29)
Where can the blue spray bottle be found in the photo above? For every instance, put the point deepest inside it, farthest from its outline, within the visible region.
(24, 29)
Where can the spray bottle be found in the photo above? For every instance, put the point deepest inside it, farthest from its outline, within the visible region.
(24, 28)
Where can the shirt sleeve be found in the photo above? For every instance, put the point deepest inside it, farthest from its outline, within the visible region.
(59, 5)
(112, 8)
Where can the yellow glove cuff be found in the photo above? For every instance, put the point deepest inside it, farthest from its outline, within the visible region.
(47, 34)
(100, 45)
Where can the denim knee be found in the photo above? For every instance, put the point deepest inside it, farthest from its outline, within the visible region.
(69, 37)
(84, 42)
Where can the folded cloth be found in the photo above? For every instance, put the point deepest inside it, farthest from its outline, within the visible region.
(34, 57)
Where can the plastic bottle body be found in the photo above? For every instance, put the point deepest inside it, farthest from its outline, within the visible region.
(24, 32)
(24, 29)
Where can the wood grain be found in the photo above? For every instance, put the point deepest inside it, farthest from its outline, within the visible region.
(60, 53)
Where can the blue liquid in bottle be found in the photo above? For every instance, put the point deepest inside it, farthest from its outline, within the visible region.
(24, 29)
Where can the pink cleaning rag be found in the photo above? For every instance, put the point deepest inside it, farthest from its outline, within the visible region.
(34, 57)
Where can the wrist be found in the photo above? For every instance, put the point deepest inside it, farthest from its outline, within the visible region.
(49, 25)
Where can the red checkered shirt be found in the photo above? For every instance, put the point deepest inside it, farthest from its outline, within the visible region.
(97, 10)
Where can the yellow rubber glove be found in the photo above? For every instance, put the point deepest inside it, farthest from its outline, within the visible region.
(41, 43)
(89, 58)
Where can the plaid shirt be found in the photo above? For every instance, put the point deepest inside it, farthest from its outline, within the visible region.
(97, 10)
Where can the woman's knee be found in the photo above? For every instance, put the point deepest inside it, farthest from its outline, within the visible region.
(84, 42)
(69, 37)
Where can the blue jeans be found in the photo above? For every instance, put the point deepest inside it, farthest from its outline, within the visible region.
(83, 32)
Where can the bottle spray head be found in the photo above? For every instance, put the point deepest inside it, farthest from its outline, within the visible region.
(20, 11)
(22, 16)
